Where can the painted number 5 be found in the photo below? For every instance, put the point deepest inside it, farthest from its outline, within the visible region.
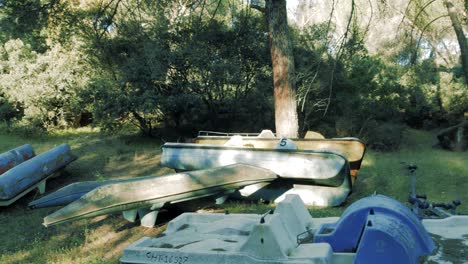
(283, 142)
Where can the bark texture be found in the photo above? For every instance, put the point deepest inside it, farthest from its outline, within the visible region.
(286, 119)
(460, 36)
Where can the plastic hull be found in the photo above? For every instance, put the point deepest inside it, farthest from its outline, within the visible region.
(73, 192)
(14, 157)
(154, 192)
(26, 174)
(352, 147)
(315, 167)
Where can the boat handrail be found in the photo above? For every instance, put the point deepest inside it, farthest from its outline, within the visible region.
(205, 133)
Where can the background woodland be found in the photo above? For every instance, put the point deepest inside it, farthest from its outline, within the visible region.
(363, 68)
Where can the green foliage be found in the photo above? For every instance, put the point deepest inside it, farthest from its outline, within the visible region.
(159, 65)
(206, 74)
(355, 93)
(23, 20)
(8, 111)
(385, 136)
(43, 86)
(314, 67)
(25, 128)
(453, 94)
(39, 23)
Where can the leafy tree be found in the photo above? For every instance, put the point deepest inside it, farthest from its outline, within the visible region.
(461, 37)
(23, 20)
(366, 100)
(44, 86)
(8, 111)
(360, 67)
(193, 71)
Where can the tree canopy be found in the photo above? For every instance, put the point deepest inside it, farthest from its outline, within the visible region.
(362, 68)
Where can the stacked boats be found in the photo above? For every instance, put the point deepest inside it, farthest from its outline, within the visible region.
(258, 166)
(353, 148)
(322, 171)
(21, 171)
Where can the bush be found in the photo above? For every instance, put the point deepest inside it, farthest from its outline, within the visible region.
(44, 85)
(385, 136)
(8, 111)
(24, 128)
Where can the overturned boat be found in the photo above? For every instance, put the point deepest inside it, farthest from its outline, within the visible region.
(322, 167)
(273, 191)
(72, 192)
(152, 193)
(353, 148)
(33, 173)
(320, 177)
(15, 157)
(311, 195)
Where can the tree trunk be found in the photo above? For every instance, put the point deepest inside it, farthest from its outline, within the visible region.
(283, 69)
(144, 125)
(460, 36)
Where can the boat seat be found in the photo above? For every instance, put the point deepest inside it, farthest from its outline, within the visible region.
(313, 135)
(234, 141)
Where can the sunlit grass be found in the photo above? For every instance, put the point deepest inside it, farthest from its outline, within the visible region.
(99, 240)
(442, 175)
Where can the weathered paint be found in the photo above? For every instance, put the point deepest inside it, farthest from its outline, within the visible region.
(28, 173)
(14, 157)
(73, 192)
(323, 196)
(153, 192)
(311, 195)
(325, 167)
(352, 147)
(67, 194)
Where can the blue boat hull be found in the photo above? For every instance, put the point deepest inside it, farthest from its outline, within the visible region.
(30, 172)
(14, 157)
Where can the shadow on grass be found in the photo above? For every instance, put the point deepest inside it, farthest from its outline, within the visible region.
(25, 240)
(442, 175)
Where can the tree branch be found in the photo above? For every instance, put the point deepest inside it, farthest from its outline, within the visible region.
(415, 54)
(338, 56)
(257, 6)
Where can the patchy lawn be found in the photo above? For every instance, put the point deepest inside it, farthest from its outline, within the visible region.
(442, 175)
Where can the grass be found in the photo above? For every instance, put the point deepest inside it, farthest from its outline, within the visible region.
(442, 175)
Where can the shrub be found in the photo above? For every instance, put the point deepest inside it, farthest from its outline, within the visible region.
(385, 136)
(44, 85)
